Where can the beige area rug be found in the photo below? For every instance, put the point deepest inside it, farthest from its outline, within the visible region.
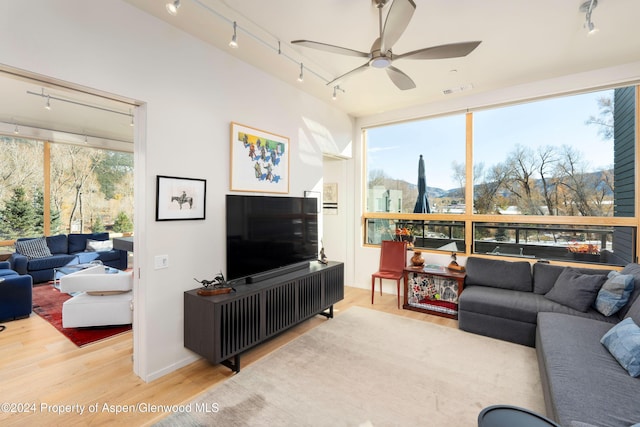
(369, 368)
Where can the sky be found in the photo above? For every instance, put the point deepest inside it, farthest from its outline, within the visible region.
(558, 121)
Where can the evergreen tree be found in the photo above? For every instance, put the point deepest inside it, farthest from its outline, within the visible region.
(122, 224)
(18, 216)
(97, 226)
(38, 209)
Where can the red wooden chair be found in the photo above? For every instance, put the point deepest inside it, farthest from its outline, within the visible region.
(393, 259)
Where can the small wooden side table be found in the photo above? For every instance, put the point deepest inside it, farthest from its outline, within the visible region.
(433, 290)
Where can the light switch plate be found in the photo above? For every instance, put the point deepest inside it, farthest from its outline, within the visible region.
(161, 261)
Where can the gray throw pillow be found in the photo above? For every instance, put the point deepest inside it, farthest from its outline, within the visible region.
(576, 290)
(33, 248)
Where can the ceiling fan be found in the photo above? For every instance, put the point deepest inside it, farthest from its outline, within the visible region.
(381, 55)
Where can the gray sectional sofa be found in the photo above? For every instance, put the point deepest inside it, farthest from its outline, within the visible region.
(583, 383)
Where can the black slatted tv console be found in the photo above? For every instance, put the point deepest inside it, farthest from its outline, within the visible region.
(221, 327)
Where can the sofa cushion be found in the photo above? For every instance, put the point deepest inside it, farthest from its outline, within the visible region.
(583, 381)
(576, 290)
(515, 275)
(48, 263)
(633, 311)
(615, 293)
(517, 305)
(7, 272)
(633, 269)
(33, 248)
(58, 244)
(545, 275)
(623, 342)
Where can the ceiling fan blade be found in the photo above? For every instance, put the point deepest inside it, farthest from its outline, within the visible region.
(453, 50)
(330, 48)
(397, 21)
(349, 74)
(400, 79)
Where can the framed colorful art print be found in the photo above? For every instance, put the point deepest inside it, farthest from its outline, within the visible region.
(259, 160)
(180, 198)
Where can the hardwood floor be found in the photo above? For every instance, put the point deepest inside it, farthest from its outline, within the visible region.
(41, 372)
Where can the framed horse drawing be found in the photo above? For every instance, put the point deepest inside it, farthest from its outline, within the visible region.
(180, 198)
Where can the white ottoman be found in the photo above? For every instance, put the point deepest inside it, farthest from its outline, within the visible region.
(86, 310)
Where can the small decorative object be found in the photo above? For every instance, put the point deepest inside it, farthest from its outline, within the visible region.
(323, 258)
(215, 286)
(453, 265)
(417, 260)
(180, 198)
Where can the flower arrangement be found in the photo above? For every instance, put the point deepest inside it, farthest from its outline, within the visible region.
(404, 235)
(584, 248)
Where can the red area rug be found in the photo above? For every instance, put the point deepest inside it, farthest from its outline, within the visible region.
(47, 303)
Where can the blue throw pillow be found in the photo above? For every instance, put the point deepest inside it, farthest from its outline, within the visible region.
(614, 294)
(623, 342)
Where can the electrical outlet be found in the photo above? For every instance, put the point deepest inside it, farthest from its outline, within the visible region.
(161, 261)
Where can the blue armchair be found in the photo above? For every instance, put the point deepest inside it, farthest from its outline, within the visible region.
(15, 294)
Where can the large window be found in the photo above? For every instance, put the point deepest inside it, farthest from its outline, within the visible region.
(550, 157)
(570, 158)
(394, 173)
(48, 188)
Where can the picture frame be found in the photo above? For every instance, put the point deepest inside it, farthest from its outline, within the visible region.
(259, 160)
(179, 199)
(330, 196)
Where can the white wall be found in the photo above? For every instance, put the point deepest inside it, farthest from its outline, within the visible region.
(191, 92)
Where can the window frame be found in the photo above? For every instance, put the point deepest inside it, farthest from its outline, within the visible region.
(469, 218)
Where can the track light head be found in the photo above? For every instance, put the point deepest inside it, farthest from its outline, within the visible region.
(16, 130)
(301, 76)
(48, 104)
(234, 39)
(335, 92)
(173, 6)
(587, 8)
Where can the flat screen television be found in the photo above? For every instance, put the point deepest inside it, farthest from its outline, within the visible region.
(266, 233)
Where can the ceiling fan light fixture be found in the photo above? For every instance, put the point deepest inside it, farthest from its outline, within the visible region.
(172, 7)
(234, 39)
(380, 62)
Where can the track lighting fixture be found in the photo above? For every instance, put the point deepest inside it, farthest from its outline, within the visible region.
(172, 7)
(335, 92)
(274, 44)
(70, 101)
(234, 39)
(16, 130)
(587, 8)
